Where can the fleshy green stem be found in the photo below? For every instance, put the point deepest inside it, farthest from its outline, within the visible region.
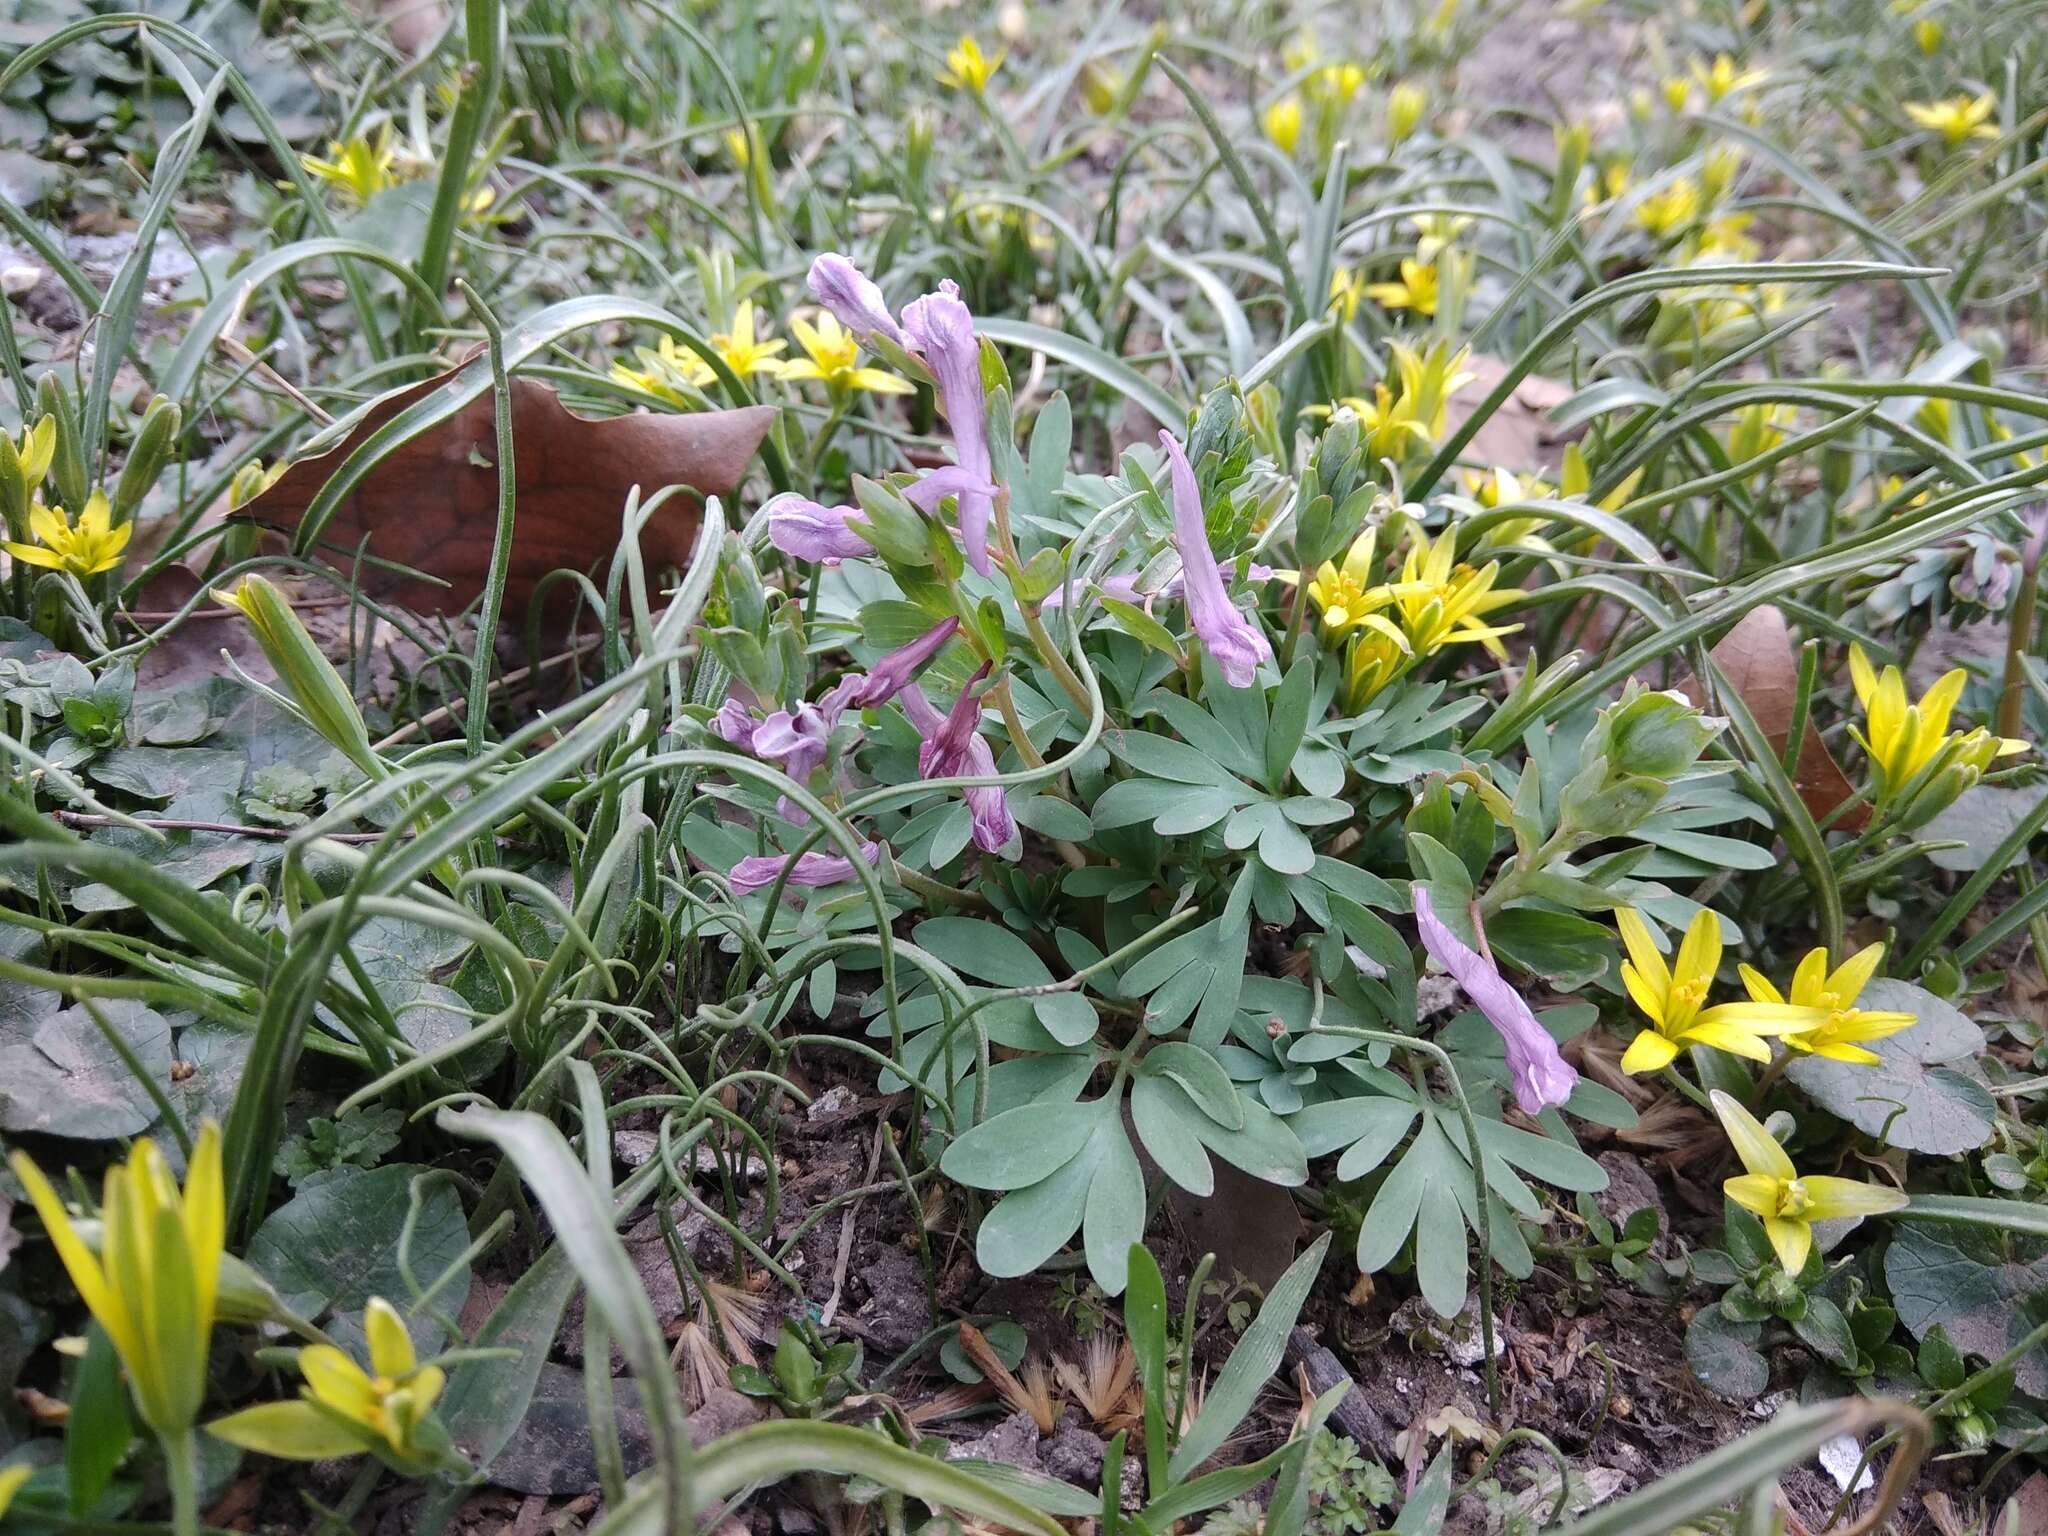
(181, 1471)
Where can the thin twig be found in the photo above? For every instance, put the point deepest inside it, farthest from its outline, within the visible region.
(512, 679)
(846, 1228)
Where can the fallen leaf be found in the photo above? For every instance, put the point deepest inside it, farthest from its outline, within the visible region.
(1757, 659)
(431, 505)
(1520, 435)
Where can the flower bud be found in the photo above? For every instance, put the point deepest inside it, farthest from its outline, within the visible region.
(154, 443)
(308, 676)
(1654, 733)
(67, 462)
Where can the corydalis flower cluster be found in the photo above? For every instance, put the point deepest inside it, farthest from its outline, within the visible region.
(938, 330)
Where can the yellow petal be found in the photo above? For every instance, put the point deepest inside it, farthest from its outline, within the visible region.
(1756, 1192)
(1699, 955)
(34, 554)
(1853, 974)
(391, 1351)
(1648, 1052)
(1834, 1050)
(1831, 1198)
(291, 1431)
(1860, 673)
(1793, 1240)
(1642, 951)
(1725, 1037)
(338, 1382)
(1763, 1018)
(1758, 985)
(1756, 1147)
(1808, 980)
(1646, 997)
(86, 1274)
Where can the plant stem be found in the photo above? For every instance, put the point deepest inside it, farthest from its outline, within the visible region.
(181, 1471)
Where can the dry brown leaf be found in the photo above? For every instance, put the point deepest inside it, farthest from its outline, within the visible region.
(432, 504)
(1756, 657)
(1520, 435)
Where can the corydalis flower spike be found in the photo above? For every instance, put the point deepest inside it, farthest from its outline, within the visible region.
(853, 298)
(941, 331)
(1543, 1078)
(810, 870)
(807, 530)
(895, 671)
(1237, 644)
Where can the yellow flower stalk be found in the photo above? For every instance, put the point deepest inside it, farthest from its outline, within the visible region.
(745, 353)
(1406, 104)
(1957, 119)
(307, 675)
(153, 1283)
(1673, 998)
(1834, 993)
(1722, 79)
(1347, 292)
(1347, 597)
(832, 356)
(1667, 213)
(359, 168)
(1282, 122)
(344, 1410)
(1789, 1204)
(1416, 290)
(85, 547)
(968, 68)
(1902, 740)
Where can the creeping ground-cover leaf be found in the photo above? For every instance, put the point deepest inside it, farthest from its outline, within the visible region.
(1927, 1095)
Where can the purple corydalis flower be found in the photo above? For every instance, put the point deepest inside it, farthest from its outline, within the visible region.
(734, 723)
(1543, 1078)
(1237, 643)
(795, 738)
(811, 869)
(853, 298)
(808, 531)
(941, 331)
(954, 748)
(895, 671)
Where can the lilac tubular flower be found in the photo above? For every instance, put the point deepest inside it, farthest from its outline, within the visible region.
(811, 870)
(808, 531)
(1237, 643)
(853, 298)
(941, 331)
(1543, 1078)
(954, 748)
(895, 671)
